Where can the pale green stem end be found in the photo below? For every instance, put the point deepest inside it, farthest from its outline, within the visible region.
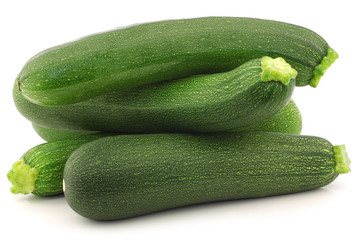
(276, 69)
(23, 177)
(320, 69)
(342, 161)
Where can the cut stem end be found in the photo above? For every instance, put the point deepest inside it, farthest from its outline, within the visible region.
(276, 69)
(320, 69)
(23, 177)
(342, 161)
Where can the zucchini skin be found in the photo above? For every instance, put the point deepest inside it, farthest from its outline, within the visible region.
(51, 134)
(164, 50)
(130, 175)
(207, 103)
(48, 159)
(287, 120)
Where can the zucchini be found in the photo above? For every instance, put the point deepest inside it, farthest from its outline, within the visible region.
(130, 175)
(55, 154)
(40, 169)
(128, 57)
(207, 103)
(288, 120)
(51, 134)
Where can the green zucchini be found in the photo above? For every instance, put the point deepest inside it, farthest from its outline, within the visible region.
(52, 156)
(128, 57)
(206, 103)
(40, 169)
(51, 134)
(288, 120)
(55, 154)
(130, 175)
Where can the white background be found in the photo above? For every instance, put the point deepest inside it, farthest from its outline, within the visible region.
(330, 111)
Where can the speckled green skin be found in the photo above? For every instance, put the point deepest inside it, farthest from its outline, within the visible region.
(164, 50)
(288, 120)
(207, 103)
(51, 134)
(49, 159)
(130, 175)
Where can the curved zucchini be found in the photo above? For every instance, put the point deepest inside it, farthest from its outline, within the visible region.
(52, 156)
(207, 103)
(52, 134)
(287, 120)
(165, 50)
(130, 175)
(40, 169)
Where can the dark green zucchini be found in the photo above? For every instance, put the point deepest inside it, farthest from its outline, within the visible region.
(51, 134)
(130, 175)
(40, 169)
(166, 50)
(207, 103)
(48, 159)
(288, 120)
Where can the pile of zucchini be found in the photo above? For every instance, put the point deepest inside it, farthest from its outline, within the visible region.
(174, 113)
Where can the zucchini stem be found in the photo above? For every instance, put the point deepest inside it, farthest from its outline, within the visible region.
(276, 69)
(23, 177)
(320, 69)
(342, 161)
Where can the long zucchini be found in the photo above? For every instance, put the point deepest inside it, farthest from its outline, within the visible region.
(130, 175)
(288, 120)
(56, 153)
(52, 134)
(207, 103)
(166, 50)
